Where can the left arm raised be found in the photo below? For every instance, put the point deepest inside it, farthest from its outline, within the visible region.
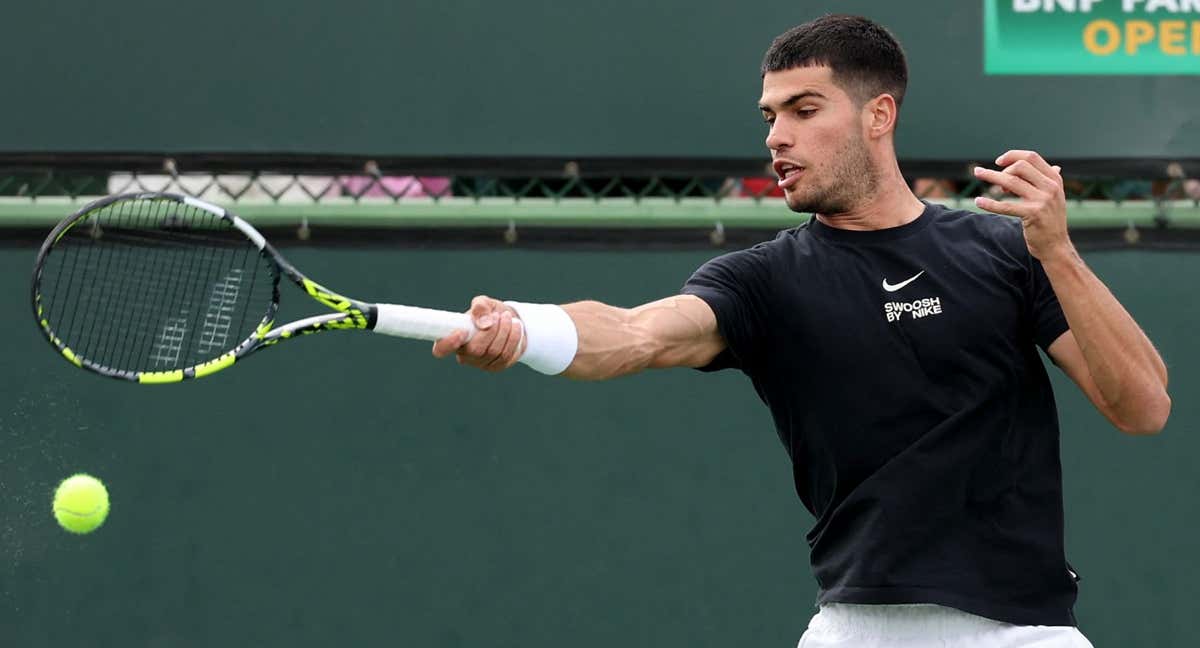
(1105, 352)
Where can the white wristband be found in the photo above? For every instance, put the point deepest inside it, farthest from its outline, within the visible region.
(550, 335)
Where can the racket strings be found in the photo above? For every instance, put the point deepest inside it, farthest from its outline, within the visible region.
(116, 308)
(154, 285)
(151, 289)
(109, 318)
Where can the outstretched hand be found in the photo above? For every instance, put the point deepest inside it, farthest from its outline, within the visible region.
(498, 342)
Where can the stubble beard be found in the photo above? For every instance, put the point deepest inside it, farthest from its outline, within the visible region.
(849, 180)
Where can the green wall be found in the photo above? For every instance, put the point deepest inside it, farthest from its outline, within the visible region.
(351, 490)
(579, 78)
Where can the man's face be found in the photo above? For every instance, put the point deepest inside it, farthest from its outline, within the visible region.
(816, 140)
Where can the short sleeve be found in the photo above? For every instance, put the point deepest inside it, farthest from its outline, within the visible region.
(734, 286)
(1048, 319)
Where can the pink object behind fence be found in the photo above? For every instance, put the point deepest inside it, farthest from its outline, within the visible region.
(389, 186)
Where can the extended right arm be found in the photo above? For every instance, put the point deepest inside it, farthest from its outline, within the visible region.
(678, 331)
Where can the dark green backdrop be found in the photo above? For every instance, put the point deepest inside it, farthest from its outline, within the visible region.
(573, 78)
(350, 490)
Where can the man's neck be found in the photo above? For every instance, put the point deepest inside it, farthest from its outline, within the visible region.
(893, 204)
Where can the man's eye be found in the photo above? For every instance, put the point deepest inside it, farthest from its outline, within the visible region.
(807, 112)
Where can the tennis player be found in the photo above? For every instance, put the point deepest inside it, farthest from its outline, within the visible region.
(895, 343)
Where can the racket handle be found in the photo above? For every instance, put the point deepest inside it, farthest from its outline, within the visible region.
(420, 323)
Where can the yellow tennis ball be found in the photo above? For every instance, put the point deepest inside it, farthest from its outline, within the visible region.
(80, 503)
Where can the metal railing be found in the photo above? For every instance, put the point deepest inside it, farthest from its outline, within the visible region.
(371, 194)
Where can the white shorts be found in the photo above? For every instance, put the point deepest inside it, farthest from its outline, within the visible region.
(845, 625)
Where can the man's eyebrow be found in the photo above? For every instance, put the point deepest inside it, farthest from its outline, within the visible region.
(794, 98)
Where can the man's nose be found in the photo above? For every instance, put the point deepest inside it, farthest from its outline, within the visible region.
(777, 138)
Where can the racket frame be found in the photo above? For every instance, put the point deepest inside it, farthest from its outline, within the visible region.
(347, 313)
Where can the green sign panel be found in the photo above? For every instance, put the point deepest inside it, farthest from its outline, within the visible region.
(1092, 36)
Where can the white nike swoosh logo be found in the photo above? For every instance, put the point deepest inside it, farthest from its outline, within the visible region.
(894, 287)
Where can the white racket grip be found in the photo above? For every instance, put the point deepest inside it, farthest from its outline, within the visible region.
(420, 323)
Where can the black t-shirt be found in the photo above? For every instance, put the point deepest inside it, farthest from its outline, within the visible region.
(902, 372)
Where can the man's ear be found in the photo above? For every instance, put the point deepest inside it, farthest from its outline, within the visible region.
(880, 115)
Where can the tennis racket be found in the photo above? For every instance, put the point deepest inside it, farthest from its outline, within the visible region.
(160, 288)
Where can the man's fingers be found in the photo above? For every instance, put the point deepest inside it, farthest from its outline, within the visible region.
(1008, 208)
(513, 353)
(1032, 157)
(483, 311)
(479, 343)
(496, 343)
(1010, 182)
(449, 344)
(495, 351)
(1046, 180)
(1054, 172)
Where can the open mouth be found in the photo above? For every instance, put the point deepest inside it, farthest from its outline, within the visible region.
(788, 173)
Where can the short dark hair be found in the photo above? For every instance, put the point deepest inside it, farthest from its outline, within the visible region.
(865, 58)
